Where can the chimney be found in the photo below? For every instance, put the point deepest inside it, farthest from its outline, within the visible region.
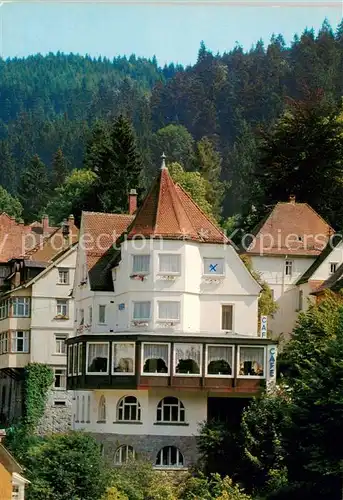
(132, 201)
(45, 225)
(71, 220)
(65, 228)
(292, 198)
(2, 434)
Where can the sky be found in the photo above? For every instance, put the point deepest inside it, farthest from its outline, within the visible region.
(171, 30)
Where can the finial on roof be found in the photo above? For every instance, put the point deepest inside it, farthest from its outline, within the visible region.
(163, 161)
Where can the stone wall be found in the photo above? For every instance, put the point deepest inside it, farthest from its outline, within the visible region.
(147, 446)
(58, 413)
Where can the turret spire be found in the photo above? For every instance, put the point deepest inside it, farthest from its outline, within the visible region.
(163, 161)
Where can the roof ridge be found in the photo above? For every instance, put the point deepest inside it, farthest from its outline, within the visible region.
(105, 213)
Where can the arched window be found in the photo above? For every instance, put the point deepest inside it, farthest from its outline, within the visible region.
(170, 409)
(124, 454)
(129, 409)
(102, 409)
(169, 456)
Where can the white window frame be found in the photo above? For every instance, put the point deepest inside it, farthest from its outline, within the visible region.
(289, 264)
(257, 377)
(75, 359)
(63, 369)
(221, 316)
(207, 274)
(138, 409)
(170, 466)
(61, 306)
(145, 273)
(188, 374)
(102, 322)
(146, 374)
(169, 320)
(119, 452)
(90, 315)
(58, 338)
(25, 338)
(108, 358)
(180, 407)
(134, 358)
(335, 264)
(232, 361)
(26, 304)
(140, 302)
(79, 358)
(70, 360)
(169, 273)
(62, 271)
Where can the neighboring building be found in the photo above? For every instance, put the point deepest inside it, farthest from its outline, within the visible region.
(36, 317)
(333, 283)
(12, 483)
(166, 332)
(285, 245)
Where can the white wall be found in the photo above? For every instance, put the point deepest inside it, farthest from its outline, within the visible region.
(323, 271)
(195, 409)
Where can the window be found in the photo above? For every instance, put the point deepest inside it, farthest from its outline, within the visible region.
(219, 360)
(123, 356)
(169, 263)
(63, 277)
(80, 358)
(75, 366)
(97, 357)
(168, 310)
(288, 267)
(60, 378)
(90, 315)
(129, 409)
(82, 316)
(214, 266)
(170, 409)
(62, 307)
(227, 317)
(4, 308)
(21, 307)
(251, 361)
(102, 409)
(301, 300)
(141, 310)
(333, 267)
(60, 346)
(102, 314)
(20, 341)
(187, 359)
(15, 492)
(141, 264)
(124, 454)
(3, 343)
(70, 359)
(169, 456)
(155, 358)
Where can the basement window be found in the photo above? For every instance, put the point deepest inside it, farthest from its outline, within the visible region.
(60, 403)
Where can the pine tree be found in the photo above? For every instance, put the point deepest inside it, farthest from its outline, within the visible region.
(34, 189)
(8, 177)
(59, 169)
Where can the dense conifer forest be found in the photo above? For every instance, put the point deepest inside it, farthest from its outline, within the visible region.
(52, 106)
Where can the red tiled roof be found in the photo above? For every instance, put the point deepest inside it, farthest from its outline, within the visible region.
(12, 238)
(315, 284)
(293, 229)
(169, 212)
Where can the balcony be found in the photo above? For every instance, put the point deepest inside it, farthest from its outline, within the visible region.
(143, 361)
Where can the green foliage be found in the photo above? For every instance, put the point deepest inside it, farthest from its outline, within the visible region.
(60, 169)
(10, 204)
(202, 488)
(73, 196)
(34, 189)
(195, 185)
(38, 380)
(176, 143)
(66, 467)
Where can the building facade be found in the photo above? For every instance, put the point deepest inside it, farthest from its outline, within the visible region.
(166, 329)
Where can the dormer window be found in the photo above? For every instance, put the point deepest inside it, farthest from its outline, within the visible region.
(213, 267)
(141, 264)
(169, 263)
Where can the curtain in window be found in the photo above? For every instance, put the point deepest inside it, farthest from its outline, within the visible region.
(251, 361)
(187, 358)
(169, 310)
(155, 351)
(219, 360)
(169, 263)
(141, 310)
(141, 263)
(97, 357)
(123, 358)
